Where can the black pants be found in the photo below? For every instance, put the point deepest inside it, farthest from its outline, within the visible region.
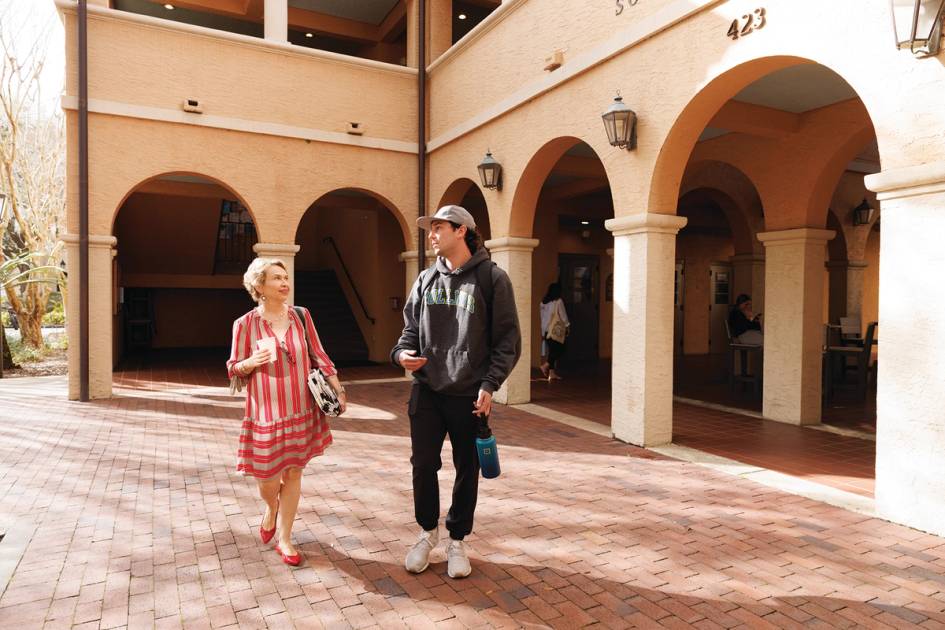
(555, 350)
(432, 416)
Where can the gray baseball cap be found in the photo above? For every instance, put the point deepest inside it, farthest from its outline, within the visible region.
(454, 214)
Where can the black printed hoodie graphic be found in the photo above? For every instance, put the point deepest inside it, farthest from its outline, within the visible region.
(449, 325)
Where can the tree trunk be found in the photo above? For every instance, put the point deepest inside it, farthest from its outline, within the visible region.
(7, 357)
(31, 330)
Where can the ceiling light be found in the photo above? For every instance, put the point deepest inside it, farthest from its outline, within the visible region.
(585, 222)
(461, 16)
(169, 7)
(310, 34)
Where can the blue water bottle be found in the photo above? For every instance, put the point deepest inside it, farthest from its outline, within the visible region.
(488, 451)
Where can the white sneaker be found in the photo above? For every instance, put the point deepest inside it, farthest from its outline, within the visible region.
(418, 558)
(457, 564)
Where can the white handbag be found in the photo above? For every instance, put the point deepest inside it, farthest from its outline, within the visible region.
(324, 394)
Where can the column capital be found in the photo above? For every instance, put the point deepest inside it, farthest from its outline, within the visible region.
(511, 243)
(909, 181)
(795, 236)
(837, 264)
(277, 249)
(412, 255)
(646, 222)
(95, 240)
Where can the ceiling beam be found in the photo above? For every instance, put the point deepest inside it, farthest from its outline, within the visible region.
(233, 8)
(756, 120)
(331, 25)
(394, 24)
(577, 188)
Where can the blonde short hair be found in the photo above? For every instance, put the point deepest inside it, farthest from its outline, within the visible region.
(255, 275)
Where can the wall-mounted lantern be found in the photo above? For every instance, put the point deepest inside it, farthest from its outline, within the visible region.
(862, 213)
(620, 122)
(918, 25)
(490, 172)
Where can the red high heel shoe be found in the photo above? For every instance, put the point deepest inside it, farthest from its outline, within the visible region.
(266, 535)
(292, 561)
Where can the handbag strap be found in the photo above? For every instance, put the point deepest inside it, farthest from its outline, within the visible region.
(308, 342)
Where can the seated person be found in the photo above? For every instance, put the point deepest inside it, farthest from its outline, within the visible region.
(744, 325)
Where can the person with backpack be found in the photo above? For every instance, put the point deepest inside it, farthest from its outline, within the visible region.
(461, 340)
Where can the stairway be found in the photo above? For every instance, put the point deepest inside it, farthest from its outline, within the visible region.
(321, 293)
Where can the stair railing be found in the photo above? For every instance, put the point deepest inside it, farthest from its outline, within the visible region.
(344, 268)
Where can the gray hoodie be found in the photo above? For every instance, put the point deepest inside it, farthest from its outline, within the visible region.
(449, 325)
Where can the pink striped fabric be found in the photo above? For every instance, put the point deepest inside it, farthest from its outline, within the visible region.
(282, 427)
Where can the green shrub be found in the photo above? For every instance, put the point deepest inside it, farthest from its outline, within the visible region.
(24, 353)
(55, 316)
(7, 320)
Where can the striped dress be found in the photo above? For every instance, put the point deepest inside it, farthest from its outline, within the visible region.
(282, 426)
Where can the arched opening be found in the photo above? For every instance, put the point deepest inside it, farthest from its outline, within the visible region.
(466, 193)
(799, 133)
(563, 200)
(348, 274)
(184, 241)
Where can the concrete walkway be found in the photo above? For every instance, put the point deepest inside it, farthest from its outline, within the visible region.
(127, 512)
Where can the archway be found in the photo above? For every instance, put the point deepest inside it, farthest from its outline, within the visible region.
(794, 129)
(466, 193)
(348, 274)
(184, 241)
(563, 200)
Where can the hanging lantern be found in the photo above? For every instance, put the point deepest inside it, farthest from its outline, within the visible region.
(918, 25)
(620, 122)
(490, 172)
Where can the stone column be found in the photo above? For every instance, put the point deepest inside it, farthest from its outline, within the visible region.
(413, 43)
(644, 268)
(910, 425)
(276, 20)
(286, 253)
(749, 278)
(514, 255)
(101, 298)
(837, 292)
(439, 28)
(793, 324)
(856, 271)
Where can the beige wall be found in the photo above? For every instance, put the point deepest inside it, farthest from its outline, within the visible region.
(698, 252)
(197, 318)
(167, 234)
(159, 65)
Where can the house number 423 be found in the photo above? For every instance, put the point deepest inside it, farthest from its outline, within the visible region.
(750, 22)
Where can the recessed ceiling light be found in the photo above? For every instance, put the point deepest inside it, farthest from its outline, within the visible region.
(585, 222)
(461, 16)
(310, 34)
(169, 7)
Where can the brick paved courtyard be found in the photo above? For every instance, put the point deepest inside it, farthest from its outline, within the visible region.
(128, 513)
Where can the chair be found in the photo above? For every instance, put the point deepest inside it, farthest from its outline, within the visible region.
(862, 365)
(740, 353)
(850, 330)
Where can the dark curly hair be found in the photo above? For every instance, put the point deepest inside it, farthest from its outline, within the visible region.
(473, 237)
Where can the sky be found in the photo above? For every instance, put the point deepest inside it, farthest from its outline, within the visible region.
(39, 20)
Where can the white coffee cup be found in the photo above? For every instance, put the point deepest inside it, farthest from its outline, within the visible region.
(268, 343)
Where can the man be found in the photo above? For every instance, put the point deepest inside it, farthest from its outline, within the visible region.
(461, 339)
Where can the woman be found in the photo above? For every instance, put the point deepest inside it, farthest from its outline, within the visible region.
(743, 325)
(552, 304)
(282, 427)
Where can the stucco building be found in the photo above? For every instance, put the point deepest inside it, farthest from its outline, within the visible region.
(223, 128)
